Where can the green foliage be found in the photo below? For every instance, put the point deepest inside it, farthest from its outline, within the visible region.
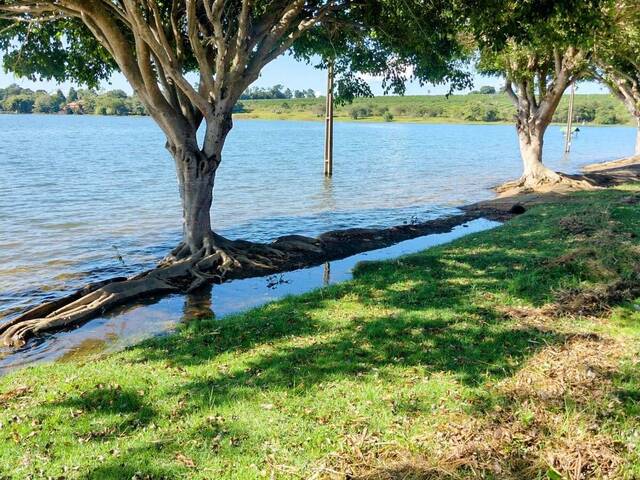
(43, 104)
(538, 46)
(41, 51)
(18, 104)
(607, 116)
(73, 95)
(115, 102)
(616, 57)
(387, 116)
(276, 92)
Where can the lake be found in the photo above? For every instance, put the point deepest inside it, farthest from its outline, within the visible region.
(86, 197)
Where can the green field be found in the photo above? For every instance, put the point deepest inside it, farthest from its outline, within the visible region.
(507, 354)
(591, 109)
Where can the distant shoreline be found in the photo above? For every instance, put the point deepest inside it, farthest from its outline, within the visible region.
(338, 119)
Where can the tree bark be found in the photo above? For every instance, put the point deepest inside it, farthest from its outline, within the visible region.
(196, 176)
(531, 139)
(196, 171)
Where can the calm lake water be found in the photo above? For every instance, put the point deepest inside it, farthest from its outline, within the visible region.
(77, 193)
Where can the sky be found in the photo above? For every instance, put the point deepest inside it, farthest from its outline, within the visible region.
(292, 74)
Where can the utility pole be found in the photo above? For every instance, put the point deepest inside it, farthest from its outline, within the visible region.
(567, 138)
(328, 133)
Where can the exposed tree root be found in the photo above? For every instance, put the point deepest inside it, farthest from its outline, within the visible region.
(220, 259)
(545, 182)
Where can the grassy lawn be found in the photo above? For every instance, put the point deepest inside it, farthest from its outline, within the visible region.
(511, 353)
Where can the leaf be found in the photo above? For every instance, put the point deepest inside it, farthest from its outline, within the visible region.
(553, 474)
(186, 461)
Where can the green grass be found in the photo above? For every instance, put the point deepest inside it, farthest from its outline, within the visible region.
(473, 108)
(446, 362)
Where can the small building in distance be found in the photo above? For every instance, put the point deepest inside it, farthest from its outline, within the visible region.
(73, 108)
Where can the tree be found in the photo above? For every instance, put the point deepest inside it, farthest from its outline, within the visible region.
(73, 95)
(487, 90)
(58, 100)
(155, 44)
(541, 48)
(111, 105)
(43, 104)
(617, 60)
(22, 103)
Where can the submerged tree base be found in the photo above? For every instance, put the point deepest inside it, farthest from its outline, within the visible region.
(220, 260)
(546, 182)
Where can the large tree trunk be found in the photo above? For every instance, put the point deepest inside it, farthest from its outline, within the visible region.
(196, 175)
(201, 257)
(531, 140)
(534, 172)
(196, 170)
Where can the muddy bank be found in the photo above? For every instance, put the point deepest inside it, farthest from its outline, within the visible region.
(594, 176)
(155, 316)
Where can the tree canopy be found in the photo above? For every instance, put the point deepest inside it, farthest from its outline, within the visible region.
(617, 56)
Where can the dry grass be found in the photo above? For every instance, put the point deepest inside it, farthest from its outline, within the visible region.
(518, 437)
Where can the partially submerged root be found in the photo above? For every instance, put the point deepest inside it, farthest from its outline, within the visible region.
(218, 260)
(546, 182)
(175, 273)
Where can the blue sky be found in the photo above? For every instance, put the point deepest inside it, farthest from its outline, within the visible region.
(295, 75)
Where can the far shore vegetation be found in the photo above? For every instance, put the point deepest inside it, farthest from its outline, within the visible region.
(484, 105)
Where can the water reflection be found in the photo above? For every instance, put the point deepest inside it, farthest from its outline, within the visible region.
(326, 274)
(199, 303)
(155, 316)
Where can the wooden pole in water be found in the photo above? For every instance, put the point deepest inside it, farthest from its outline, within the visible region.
(567, 138)
(326, 274)
(328, 133)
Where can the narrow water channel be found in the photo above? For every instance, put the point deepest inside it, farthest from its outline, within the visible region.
(126, 326)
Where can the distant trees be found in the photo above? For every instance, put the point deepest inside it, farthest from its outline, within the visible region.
(485, 90)
(113, 102)
(308, 93)
(43, 104)
(275, 92)
(73, 95)
(21, 103)
(15, 99)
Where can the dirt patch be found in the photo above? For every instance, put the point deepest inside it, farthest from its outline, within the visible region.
(18, 392)
(595, 301)
(580, 368)
(522, 436)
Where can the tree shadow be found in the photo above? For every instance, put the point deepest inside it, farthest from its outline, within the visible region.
(118, 411)
(132, 466)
